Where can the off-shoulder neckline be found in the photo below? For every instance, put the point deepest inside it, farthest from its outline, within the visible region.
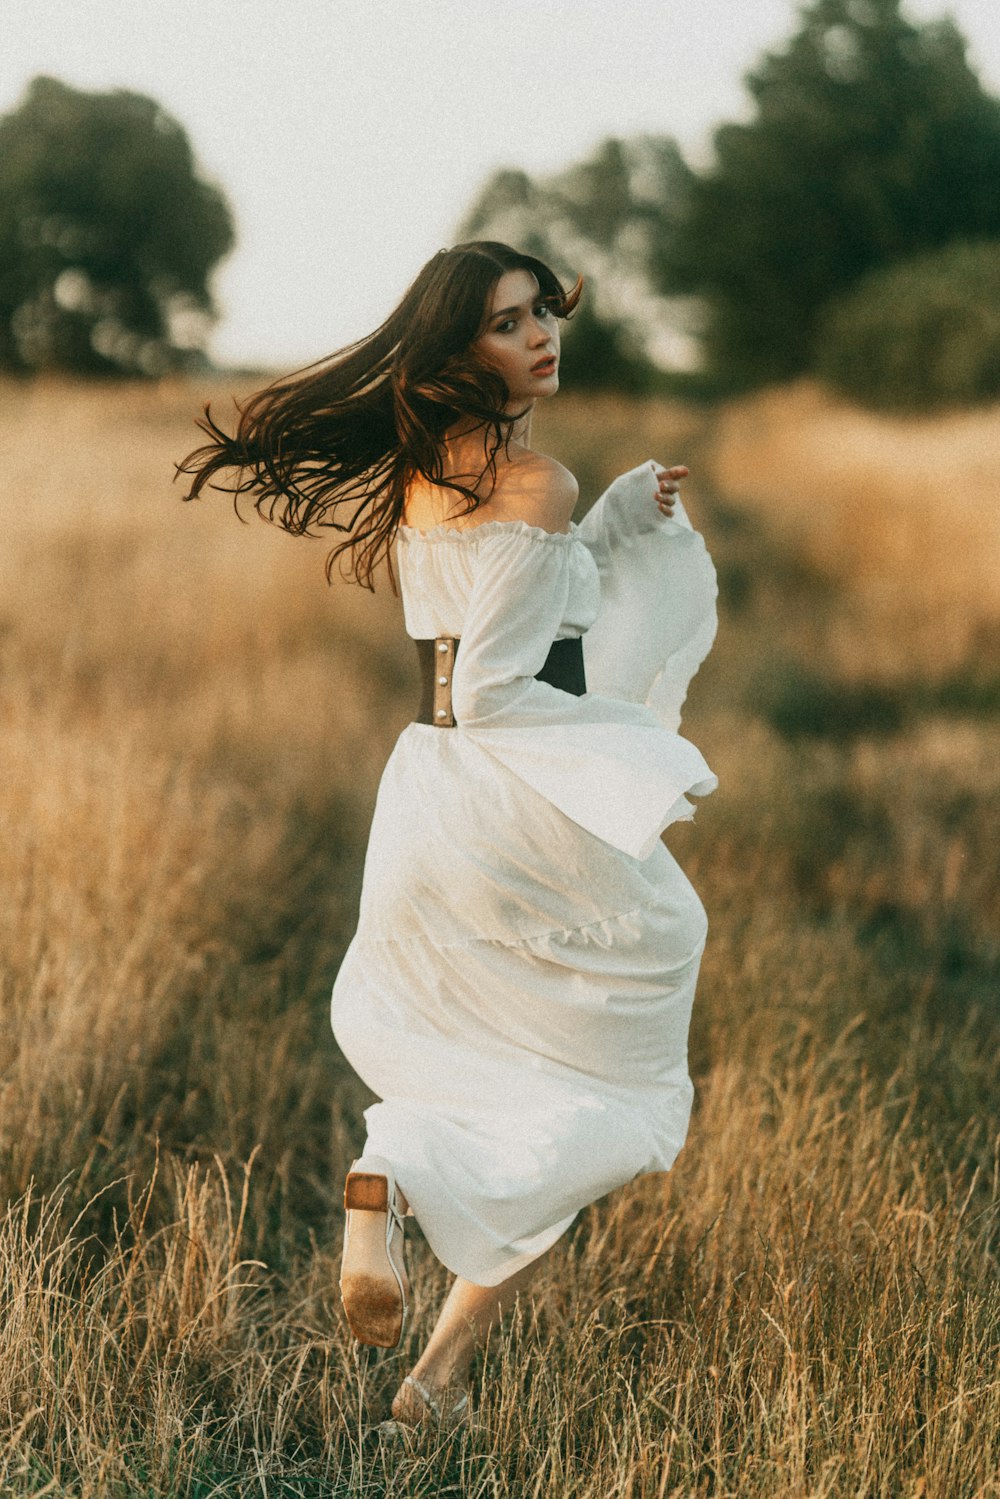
(489, 528)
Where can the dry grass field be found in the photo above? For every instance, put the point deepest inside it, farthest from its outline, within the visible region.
(192, 726)
(903, 512)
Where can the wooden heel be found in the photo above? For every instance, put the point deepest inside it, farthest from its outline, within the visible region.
(368, 1193)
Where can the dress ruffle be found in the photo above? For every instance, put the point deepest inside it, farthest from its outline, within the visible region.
(625, 782)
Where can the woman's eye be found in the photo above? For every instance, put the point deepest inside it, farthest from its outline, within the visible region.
(543, 310)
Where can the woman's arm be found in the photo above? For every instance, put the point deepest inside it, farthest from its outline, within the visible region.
(608, 764)
(658, 590)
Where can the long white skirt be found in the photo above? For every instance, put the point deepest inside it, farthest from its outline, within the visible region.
(518, 995)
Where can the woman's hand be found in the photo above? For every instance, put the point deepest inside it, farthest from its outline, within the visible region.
(667, 486)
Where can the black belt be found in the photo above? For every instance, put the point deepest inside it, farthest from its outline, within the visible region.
(563, 668)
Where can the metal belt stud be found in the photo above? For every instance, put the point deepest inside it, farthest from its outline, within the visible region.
(444, 666)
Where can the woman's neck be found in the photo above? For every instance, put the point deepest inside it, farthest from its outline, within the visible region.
(464, 451)
(463, 440)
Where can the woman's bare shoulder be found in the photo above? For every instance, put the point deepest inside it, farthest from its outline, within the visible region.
(535, 488)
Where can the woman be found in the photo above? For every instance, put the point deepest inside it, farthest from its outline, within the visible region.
(520, 983)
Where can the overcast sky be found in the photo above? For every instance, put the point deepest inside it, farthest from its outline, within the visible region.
(351, 135)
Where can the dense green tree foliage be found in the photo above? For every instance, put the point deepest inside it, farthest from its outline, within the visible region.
(871, 140)
(919, 334)
(107, 235)
(606, 217)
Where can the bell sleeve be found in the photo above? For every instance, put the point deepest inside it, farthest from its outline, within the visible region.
(657, 618)
(608, 764)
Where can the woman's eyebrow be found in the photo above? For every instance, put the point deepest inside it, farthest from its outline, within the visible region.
(505, 310)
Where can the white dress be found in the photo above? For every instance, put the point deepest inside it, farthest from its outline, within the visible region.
(519, 987)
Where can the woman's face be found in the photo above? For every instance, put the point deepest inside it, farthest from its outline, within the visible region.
(521, 339)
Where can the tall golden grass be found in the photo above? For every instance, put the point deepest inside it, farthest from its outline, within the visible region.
(901, 512)
(192, 730)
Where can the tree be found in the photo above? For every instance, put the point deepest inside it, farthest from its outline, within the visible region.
(872, 140)
(107, 235)
(920, 334)
(604, 217)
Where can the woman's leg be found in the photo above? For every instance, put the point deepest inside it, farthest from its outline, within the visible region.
(468, 1314)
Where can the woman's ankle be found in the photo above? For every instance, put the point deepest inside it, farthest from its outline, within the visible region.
(418, 1400)
(439, 1373)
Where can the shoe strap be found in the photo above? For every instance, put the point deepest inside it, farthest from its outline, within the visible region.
(432, 1402)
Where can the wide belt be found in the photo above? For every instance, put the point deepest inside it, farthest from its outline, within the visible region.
(563, 668)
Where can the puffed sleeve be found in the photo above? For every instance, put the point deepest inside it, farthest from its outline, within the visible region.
(608, 764)
(657, 618)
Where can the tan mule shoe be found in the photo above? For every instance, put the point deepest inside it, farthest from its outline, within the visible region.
(374, 1286)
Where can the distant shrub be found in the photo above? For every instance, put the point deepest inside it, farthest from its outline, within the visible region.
(802, 705)
(923, 333)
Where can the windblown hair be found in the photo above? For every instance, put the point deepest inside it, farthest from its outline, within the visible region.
(344, 437)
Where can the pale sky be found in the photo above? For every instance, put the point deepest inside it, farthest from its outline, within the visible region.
(350, 136)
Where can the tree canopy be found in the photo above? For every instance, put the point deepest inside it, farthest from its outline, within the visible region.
(108, 234)
(872, 139)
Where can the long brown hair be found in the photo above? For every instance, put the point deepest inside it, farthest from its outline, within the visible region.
(354, 429)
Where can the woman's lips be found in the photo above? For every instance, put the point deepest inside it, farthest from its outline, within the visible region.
(544, 366)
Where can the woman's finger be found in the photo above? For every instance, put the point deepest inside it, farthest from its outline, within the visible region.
(668, 487)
